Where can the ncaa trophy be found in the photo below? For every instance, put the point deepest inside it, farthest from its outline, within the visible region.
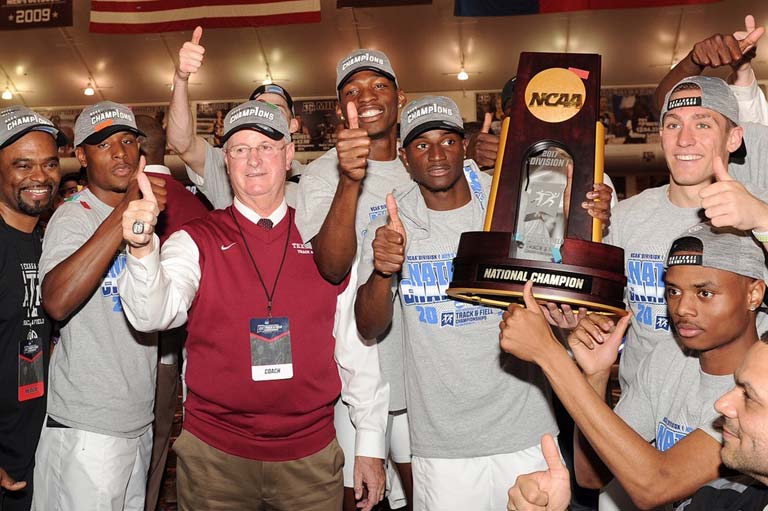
(553, 127)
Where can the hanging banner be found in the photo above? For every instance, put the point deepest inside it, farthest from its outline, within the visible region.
(21, 14)
(521, 7)
(151, 16)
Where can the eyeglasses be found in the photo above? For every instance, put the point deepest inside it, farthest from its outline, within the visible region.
(264, 150)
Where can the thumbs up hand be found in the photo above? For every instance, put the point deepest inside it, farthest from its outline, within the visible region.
(595, 342)
(546, 490)
(191, 55)
(524, 331)
(389, 243)
(353, 145)
(483, 147)
(140, 217)
(727, 203)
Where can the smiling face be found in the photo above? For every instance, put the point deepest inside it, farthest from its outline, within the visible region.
(692, 137)
(377, 101)
(29, 174)
(435, 160)
(258, 175)
(745, 410)
(111, 165)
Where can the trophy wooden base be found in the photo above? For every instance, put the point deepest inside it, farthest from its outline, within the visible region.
(591, 274)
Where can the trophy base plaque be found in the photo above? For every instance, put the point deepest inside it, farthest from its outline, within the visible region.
(484, 273)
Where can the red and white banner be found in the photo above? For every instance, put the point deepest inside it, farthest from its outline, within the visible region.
(144, 16)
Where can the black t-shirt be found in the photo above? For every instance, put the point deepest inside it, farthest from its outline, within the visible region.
(23, 326)
(736, 493)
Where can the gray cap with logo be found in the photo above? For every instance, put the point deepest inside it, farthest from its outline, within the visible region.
(429, 113)
(263, 117)
(16, 121)
(102, 120)
(715, 95)
(721, 248)
(361, 60)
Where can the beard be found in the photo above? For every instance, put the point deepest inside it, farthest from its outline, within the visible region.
(37, 207)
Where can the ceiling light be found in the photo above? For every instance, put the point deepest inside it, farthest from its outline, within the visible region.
(462, 75)
(7, 95)
(88, 91)
(267, 80)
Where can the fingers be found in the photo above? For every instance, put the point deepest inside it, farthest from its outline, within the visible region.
(749, 23)
(353, 146)
(562, 316)
(191, 55)
(622, 325)
(352, 116)
(145, 186)
(9, 483)
(486, 149)
(530, 301)
(197, 34)
(592, 329)
(394, 218)
(721, 171)
(752, 38)
(598, 203)
(388, 251)
(527, 494)
(487, 123)
(551, 453)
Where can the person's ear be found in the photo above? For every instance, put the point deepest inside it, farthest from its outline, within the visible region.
(290, 151)
(756, 294)
(735, 137)
(80, 155)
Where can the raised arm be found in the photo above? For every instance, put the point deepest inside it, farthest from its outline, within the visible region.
(373, 306)
(651, 477)
(181, 127)
(72, 281)
(335, 245)
(715, 51)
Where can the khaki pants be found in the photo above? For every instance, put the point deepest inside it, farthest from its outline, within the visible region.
(208, 478)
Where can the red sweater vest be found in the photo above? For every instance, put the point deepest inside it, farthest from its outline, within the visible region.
(266, 420)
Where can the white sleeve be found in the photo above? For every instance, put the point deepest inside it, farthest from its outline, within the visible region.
(157, 290)
(752, 104)
(362, 386)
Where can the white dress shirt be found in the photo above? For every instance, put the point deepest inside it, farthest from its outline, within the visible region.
(157, 290)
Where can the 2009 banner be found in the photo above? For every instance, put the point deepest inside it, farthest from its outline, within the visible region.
(21, 14)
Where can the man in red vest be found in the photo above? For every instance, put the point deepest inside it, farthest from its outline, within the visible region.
(263, 356)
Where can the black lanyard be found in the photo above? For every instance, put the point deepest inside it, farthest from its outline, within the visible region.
(268, 294)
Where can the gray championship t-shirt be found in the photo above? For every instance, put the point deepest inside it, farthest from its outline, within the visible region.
(317, 188)
(669, 398)
(466, 398)
(672, 396)
(102, 372)
(645, 227)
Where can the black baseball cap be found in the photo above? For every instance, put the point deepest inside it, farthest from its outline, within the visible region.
(273, 88)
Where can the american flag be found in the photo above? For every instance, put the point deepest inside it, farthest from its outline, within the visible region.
(144, 16)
